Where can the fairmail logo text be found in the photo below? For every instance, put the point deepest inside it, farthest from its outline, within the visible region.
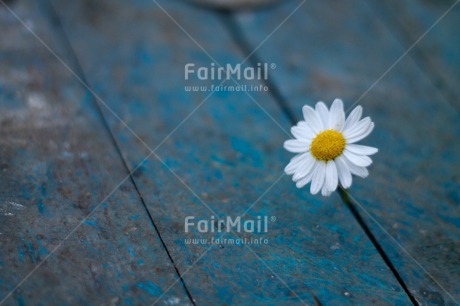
(227, 72)
(228, 224)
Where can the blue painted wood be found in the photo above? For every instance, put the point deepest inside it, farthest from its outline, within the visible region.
(434, 26)
(57, 163)
(413, 188)
(229, 152)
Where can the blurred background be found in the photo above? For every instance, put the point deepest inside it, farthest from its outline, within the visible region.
(107, 144)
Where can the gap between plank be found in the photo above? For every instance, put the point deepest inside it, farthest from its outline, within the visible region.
(418, 54)
(344, 195)
(240, 39)
(54, 19)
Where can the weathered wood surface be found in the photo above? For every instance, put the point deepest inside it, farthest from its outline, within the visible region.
(58, 162)
(228, 152)
(434, 25)
(413, 189)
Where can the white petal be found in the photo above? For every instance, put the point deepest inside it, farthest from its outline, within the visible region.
(354, 117)
(318, 177)
(323, 112)
(325, 192)
(332, 179)
(295, 162)
(302, 132)
(296, 146)
(357, 170)
(358, 160)
(343, 172)
(304, 168)
(336, 116)
(362, 135)
(358, 128)
(361, 150)
(306, 129)
(298, 133)
(305, 180)
(312, 119)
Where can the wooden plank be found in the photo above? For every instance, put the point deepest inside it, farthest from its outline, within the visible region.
(413, 188)
(57, 164)
(229, 152)
(432, 26)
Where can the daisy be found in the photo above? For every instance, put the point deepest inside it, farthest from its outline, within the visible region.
(327, 153)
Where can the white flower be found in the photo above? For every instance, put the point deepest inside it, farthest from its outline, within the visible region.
(327, 153)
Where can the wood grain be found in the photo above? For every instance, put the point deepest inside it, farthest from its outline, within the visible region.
(58, 163)
(413, 188)
(432, 27)
(229, 152)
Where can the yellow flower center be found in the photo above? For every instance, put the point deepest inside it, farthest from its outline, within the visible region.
(327, 145)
